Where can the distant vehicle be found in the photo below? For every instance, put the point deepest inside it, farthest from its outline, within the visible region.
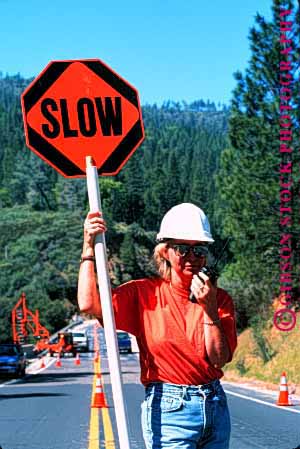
(80, 340)
(12, 360)
(124, 342)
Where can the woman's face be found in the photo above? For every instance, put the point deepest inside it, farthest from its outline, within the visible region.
(184, 261)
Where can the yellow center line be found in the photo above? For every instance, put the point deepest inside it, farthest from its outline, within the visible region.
(107, 427)
(108, 432)
(94, 420)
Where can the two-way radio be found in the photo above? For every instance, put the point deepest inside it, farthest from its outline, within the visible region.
(211, 272)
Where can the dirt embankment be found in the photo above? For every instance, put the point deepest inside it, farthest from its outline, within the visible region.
(249, 367)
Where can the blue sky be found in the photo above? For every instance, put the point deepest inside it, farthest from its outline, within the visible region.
(178, 50)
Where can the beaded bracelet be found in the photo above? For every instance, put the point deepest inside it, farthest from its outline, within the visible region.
(84, 258)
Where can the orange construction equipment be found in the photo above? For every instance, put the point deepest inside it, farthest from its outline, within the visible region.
(63, 346)
(58, 361)
(25, 322)
(99, 400)
(283, 398)
(77, 359)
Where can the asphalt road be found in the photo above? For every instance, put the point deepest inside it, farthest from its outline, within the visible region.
(257, 423)
(52, 409)
(49, 410)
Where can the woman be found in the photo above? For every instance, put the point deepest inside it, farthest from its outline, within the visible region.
(183, 344)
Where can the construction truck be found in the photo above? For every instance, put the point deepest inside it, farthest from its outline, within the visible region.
(64, 345)
(61, 345)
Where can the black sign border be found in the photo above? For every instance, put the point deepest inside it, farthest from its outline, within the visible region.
(45, 149)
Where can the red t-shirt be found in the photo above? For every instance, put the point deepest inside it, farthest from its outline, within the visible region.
(169, 331)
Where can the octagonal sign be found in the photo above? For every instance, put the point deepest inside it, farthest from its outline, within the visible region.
(80, 108)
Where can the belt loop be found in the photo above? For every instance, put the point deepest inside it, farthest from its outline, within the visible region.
(184, 392)
(204, 408)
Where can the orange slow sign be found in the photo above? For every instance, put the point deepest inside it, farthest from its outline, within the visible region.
(75, 109)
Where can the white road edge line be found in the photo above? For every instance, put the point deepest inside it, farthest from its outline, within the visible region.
(259, 401)
(13, 381)
(36, 371)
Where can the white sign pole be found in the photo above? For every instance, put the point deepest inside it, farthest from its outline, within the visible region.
(107, 309)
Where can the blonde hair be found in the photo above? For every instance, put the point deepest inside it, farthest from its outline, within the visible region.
(162, 265)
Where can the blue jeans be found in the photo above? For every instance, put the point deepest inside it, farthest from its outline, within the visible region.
(185, 416)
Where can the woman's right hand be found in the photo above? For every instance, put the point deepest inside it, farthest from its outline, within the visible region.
(94, 224)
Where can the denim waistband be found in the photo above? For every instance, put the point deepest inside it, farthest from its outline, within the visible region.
(162, 387)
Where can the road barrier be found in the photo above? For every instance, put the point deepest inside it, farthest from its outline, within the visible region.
(99, 400)
(77, 359)
(58, 361)
(43, 365)
(283, 398)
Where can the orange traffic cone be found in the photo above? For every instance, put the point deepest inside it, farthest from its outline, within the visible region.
(42, 363)
(77, 359)
(58, 361)
(99, 400)
(283, 398)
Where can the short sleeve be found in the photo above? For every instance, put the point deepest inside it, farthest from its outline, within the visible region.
(227, 315)
(126, 308)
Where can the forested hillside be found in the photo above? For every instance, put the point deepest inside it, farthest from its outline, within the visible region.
(226, 160)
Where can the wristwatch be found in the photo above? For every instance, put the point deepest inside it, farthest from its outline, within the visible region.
(84, 258)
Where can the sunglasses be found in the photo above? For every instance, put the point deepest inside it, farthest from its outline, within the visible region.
(183, 250)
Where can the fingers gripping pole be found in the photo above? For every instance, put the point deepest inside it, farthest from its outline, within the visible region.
(107, 309)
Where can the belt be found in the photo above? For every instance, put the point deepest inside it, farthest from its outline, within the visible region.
(161, 387)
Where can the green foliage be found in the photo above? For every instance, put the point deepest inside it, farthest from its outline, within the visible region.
(35, 246)
(40, 256)
(129, 257)
(240, 365)
(263, 347)
(6, 305)
(54, 314)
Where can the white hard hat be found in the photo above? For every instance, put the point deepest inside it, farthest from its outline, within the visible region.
(187, 222)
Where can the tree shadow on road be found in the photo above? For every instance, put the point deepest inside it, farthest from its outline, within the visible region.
(45, 377)
(29, 395)
(54, 377)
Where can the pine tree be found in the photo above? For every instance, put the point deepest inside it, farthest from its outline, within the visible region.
(129, 259)
(134, 180)
(173, 186)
